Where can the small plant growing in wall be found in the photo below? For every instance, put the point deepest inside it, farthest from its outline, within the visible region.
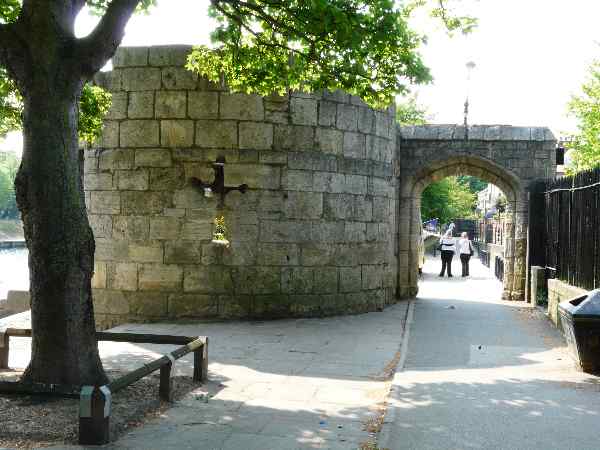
(220, 232)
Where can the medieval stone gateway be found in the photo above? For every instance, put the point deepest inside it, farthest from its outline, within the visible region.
(330, 218)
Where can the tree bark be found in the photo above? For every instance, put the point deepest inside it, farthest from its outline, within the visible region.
(50, 66)
(60, 241)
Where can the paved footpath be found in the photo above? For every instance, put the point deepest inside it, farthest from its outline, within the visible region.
(278, 385)
(480, 373)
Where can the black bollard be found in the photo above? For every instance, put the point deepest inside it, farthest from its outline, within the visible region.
(94, 415)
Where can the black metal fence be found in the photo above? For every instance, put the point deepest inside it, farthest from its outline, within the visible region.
(572, 229)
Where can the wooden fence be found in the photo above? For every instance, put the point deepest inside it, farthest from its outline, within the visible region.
(571, 244)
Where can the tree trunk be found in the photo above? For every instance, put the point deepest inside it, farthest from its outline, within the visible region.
(60, 241)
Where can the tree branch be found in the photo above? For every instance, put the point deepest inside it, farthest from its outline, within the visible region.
(11, 49)
(97, 48)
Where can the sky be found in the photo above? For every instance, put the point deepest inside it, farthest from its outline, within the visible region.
(530, 57)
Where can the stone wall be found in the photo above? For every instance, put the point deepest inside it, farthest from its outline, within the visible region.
(559, 291)
(510, 157)
(312, 236)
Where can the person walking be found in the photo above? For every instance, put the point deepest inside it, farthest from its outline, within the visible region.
(465, 250)
(447, 249)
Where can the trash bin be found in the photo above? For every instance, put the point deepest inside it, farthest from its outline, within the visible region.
(580, 319)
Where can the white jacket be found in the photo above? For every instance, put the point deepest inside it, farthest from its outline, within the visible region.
(464, 246)
(448, 244)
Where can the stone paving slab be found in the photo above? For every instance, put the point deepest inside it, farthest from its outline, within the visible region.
(289, 384)
(481, 373)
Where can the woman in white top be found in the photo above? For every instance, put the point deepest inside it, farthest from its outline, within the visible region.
(448, 248)
(465, 250)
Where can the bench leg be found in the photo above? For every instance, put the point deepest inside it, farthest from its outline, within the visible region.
(165, 390)
(201, 363)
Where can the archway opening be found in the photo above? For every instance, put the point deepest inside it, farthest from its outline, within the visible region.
(514, 228)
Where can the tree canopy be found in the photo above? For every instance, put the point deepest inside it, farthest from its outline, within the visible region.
(586, 108)
(448, 199)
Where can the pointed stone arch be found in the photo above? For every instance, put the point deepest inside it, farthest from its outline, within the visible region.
(512, 163)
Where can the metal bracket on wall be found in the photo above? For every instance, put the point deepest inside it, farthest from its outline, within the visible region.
(218, 184)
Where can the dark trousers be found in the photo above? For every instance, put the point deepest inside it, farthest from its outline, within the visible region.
(447, 262)
(464, 260)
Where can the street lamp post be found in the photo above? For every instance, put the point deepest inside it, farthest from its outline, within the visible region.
(470, 66)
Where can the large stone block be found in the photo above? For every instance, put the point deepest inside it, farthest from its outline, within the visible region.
(356, 184)
(327, 113)
(242, 107)
(303, 111)
(196, 230)
(130, 57)
(203, 105)
(182, 306)
(254, 175)
(170, 105)
(133, 180)
(183, 252)
(98, 182)
(141, 79)
(256, 135)
(216, 134)
(160, 277)
(154, 157)
(326, 280)
(111, 250)
(169, 55)
(176, 133)
(179, 78)
(99, 277)
(240, 253)
(293, 137)
(208, 280)
(146, 252)
(257, 280)
(347, 117)
(327, 231)
(117, 158)
(354, 145)
(303, 205)
(167, 179)
(165, 227)
(329, 182)
(350, 279)
(105, 202)
(118, 107)
(297, 280)
(110, 302)
(123, 276)
(131, 228)
(372, 277)
(330, 141)
(297, 180)
(147, 304)
(101, 225)
(139, 133)
(366, 120)
(355, 231)
(284, 231)
(110, 134)
(141, 105)
(144, 203)
(278, 255)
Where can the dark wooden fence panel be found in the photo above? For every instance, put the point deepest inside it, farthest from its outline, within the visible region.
(572, 228)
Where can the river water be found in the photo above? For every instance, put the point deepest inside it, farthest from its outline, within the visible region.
(14, 272)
